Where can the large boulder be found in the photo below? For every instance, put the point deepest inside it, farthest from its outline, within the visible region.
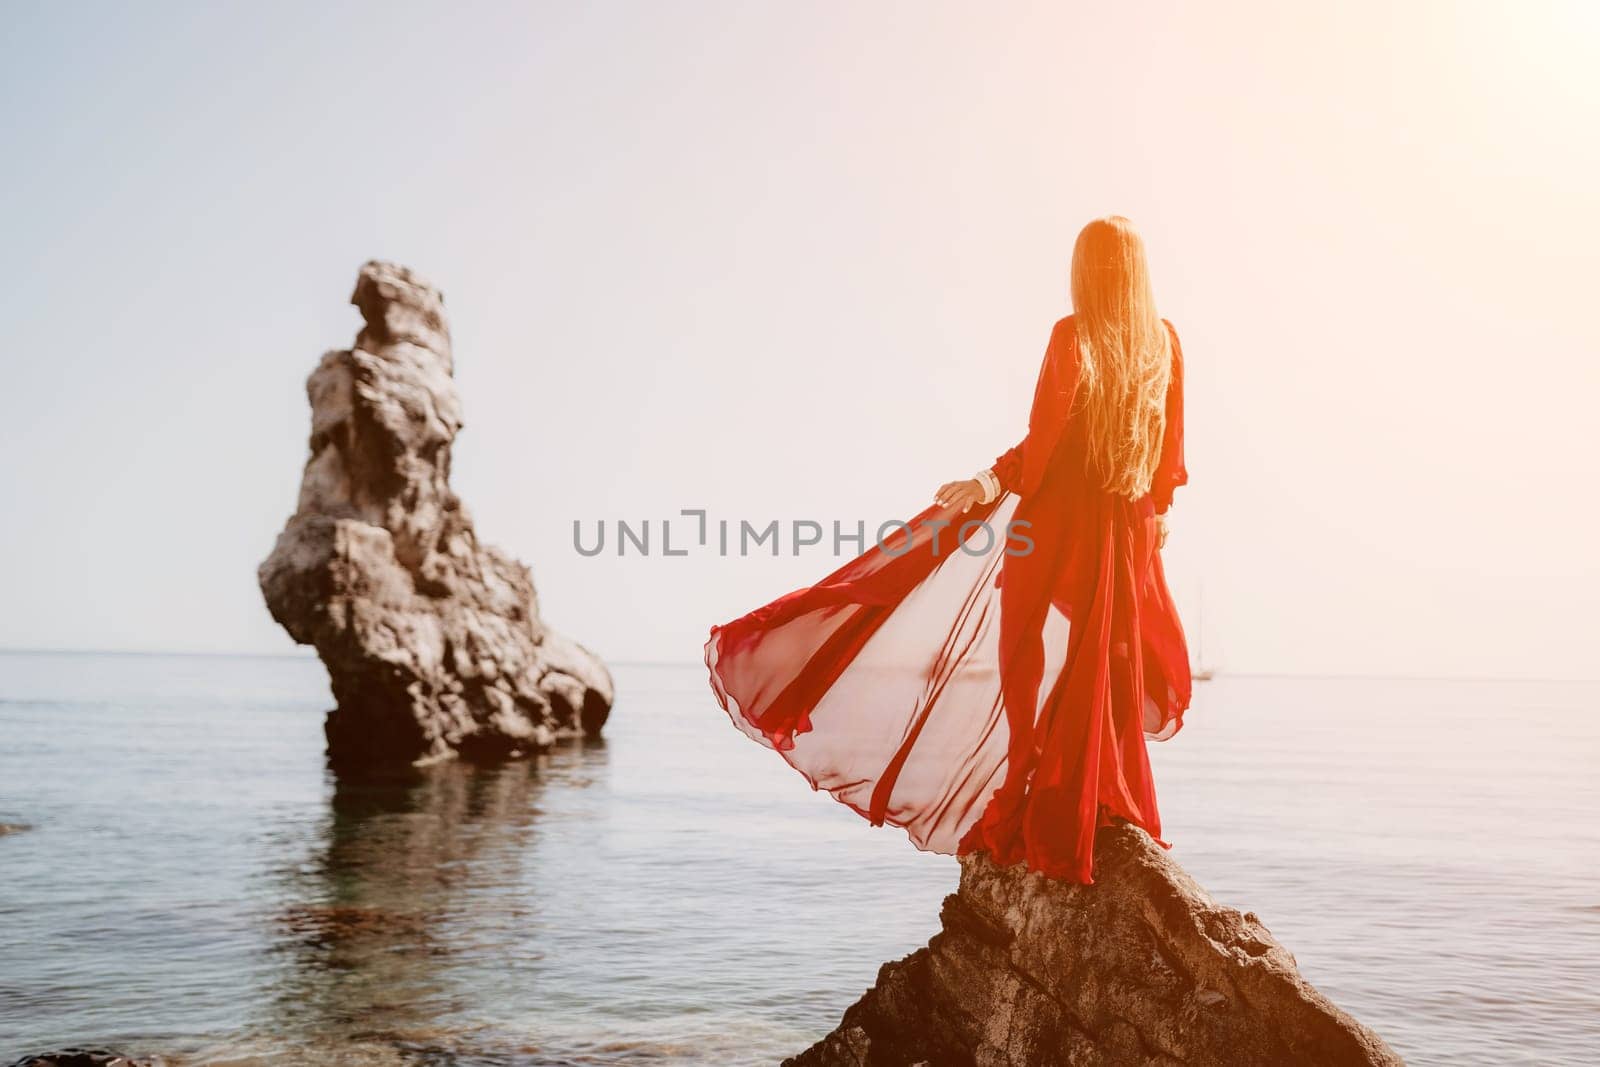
(432, 640)
(1142, 968)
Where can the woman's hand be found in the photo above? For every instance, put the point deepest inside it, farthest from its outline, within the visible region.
(1161, 531)
(963, 494)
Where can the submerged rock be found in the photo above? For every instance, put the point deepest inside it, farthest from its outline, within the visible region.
(1140, 968)
(432, 640)
(86, 1057)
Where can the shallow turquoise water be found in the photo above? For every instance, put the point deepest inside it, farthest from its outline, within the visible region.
(194, 882)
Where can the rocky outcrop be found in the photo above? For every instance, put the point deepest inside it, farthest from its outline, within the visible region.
(432, 640)
(1140, 968)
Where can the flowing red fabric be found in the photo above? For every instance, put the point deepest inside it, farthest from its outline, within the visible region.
(985, 680)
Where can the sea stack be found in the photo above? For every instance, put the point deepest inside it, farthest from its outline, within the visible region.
(1142, 968)
(432, 640)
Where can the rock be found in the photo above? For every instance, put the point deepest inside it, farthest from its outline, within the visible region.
(433, 641)
(1140, 968)
(86, 1057)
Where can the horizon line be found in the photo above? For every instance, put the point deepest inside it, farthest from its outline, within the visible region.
(688, 662)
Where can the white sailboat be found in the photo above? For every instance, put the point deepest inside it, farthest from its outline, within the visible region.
(1200, 671)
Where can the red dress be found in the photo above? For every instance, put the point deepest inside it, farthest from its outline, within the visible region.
(982, 693)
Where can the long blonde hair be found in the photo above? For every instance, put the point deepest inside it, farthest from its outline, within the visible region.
(1125, 353)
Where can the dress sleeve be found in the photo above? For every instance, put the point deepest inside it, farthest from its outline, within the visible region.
(1171, 472)
(1052, 399)
(1008, 467)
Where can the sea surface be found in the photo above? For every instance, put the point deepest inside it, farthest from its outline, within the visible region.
(189, 879)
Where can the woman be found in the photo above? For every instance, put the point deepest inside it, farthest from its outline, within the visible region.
(990, 692)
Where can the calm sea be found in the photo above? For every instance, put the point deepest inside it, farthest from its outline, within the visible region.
(192, 881)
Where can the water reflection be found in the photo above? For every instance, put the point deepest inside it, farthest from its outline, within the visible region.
(388, 908)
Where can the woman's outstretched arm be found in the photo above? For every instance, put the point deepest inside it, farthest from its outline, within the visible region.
(1004, 477)
(1057, 382)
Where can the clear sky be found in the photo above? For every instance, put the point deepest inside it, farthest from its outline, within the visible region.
(799, 261)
